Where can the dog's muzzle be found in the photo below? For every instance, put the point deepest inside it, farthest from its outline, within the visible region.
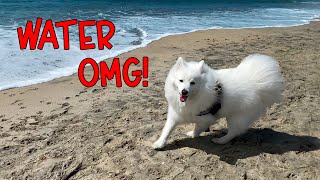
(183, 95)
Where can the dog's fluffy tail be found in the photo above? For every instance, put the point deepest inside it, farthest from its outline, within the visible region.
(265, 72)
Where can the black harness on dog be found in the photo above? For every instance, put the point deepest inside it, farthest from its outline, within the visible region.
(215, 106)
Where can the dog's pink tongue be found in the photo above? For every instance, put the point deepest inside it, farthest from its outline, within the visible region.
(183, 98)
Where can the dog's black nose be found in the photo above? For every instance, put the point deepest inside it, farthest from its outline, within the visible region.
(184, 92)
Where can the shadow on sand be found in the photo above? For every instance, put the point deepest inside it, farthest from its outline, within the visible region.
(253, 143)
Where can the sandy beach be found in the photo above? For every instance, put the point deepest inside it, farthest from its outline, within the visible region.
(62, 130)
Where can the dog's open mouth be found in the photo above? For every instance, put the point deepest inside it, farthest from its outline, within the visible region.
(183, 98)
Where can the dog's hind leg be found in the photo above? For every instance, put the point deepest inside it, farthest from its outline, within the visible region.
(236, 127)
(202, 124)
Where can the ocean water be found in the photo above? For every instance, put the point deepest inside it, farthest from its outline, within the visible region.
(137, 24)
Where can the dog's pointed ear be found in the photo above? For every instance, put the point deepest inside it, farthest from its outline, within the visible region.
(201, 63)
(180, 61)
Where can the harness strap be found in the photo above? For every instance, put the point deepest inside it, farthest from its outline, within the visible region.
(215, 106)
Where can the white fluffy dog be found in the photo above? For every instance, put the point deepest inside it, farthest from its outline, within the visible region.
(201, 95)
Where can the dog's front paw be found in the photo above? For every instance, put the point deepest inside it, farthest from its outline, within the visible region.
(158, 145)
(192, 134)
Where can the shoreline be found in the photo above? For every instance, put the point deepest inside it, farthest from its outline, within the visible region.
(103, 58)
(52, 129)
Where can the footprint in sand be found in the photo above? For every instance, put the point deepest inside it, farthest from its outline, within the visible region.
(83, 91)
(96, 90)
(83, 100)
(2, 118)
(65, 105)
(16, 101)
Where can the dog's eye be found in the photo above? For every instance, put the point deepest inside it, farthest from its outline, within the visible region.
(181, 80)
(192, 83)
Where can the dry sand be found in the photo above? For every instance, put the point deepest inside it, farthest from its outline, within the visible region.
(61, 130)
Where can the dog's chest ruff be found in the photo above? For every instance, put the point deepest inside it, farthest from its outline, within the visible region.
(216, 106)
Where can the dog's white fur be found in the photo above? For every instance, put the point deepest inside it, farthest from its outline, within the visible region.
(247, 91)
